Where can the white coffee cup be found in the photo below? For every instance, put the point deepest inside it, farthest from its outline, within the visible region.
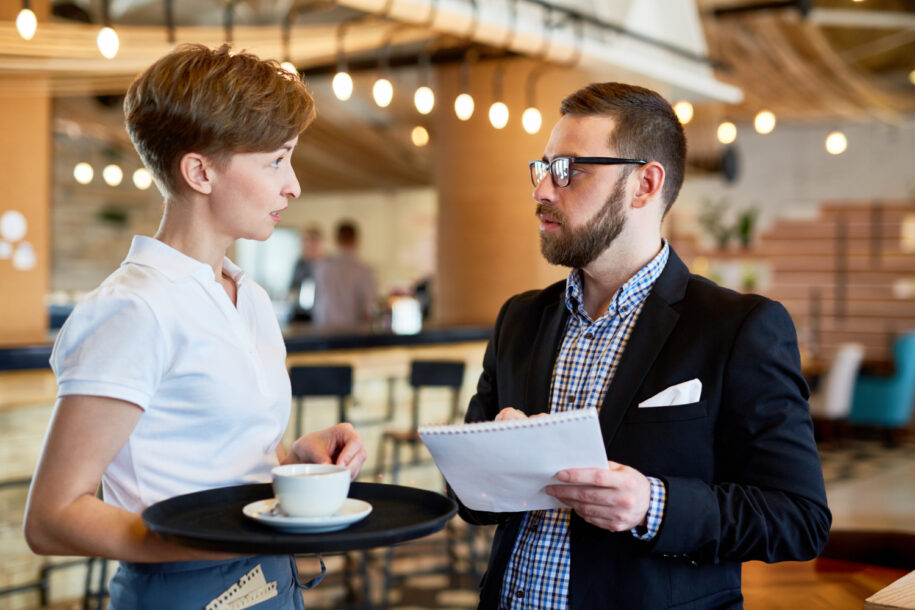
(310, 490)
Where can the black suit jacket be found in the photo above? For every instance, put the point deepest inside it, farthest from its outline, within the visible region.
(741, 468)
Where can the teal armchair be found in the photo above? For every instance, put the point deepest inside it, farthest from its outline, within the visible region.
(888, 402)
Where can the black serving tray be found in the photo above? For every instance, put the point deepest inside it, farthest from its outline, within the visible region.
(213, 520)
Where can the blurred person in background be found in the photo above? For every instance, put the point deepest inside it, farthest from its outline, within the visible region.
(302, 285)
(344, 285)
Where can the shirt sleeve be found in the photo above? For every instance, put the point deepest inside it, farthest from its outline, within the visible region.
(111, 345)
(655, 511)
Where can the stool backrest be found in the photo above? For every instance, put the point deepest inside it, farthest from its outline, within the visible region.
(331, 380)
(442, 373)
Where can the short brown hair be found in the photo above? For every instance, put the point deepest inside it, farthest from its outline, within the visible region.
(213, 102)
(646, 127)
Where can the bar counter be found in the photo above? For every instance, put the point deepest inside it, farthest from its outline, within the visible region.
(300, 338)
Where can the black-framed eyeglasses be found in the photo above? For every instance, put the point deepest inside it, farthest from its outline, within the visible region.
(560, 167)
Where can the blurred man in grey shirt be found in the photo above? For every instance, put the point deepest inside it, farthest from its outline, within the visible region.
(344, 285)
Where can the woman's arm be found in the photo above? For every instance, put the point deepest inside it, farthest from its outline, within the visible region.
(63, 516)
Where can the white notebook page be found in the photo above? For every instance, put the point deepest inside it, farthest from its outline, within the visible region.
(505, 466)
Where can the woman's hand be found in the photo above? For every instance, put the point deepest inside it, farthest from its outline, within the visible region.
(339, 444)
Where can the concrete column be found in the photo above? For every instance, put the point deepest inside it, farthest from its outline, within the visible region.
(488, 236)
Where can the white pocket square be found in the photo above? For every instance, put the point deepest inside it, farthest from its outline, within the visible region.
(680, 394)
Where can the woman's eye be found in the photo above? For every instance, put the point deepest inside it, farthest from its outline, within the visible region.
(276, 162)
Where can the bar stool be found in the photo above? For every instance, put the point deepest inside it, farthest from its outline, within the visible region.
(423, 374)
(325, 380)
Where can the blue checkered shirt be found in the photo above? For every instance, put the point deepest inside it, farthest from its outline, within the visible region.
(537, 575)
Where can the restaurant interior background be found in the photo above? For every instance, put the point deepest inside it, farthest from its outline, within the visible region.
(800, 185)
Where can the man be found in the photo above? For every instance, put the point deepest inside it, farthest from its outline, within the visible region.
(344, 286)
(302, 285)
(696, 484)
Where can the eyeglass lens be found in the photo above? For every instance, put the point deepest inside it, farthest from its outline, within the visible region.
(559, 167)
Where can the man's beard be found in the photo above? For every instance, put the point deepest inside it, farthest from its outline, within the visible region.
(577, 247)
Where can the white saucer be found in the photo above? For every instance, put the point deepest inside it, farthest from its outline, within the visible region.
(268, 513)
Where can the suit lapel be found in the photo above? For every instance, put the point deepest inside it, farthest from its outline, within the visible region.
(543, 357)
(656, 321)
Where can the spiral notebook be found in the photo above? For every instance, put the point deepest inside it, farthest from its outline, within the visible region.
(504, 466)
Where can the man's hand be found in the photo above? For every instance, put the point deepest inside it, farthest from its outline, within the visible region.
(513, 413)
(339, 444)
(615, 499)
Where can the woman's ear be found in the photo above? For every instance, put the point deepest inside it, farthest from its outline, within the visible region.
(651, 182)
(197, 172)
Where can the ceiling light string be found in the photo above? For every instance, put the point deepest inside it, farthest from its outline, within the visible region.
(463, 102)
(227, 20)
(26, 21)
(286, 42)
(498, 112)
(424, 96)
(531, 118)
(107, 39)
(170, 21)
(383, 89)
(342, 83)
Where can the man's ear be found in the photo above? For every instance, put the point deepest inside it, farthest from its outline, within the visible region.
(651, 182)
(197, 172)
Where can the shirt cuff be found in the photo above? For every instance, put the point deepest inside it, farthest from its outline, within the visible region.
(655, 511)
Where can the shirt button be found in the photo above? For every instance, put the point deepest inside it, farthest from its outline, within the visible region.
(570, 399)
(624, 309)
(589, 336)
(519, 593)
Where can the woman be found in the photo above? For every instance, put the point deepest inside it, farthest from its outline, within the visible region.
(172, 374)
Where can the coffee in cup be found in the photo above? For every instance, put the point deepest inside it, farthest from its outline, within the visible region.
(310, 490)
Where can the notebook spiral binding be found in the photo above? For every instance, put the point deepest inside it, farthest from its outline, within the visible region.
(548, 419)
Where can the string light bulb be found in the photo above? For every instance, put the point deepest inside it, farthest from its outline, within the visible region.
(836, 143)
(498, 112)
(289, 67)
(424, 99)
(342, 85)
(463, 106)
(112, 175)
(383, 92)
(419, 136)
(684, 111)
(727, 132)
(26, 23)
(498, 115)
(142, 179)
(108, 42)
(764, 122)
(531, 120)
(83, 173)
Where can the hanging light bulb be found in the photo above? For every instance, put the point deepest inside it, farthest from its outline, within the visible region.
(289, 67)
(463, 106)
(498, 112)
(419, 136)
(836, 143)
(26, 23)
(142, 179)
(383, 92)
(342, 85)
(112, 175)
(684, 111)
(424, 99)
(727, 132)
(764, 122)
(83, 173)
(531, 120)
(498, 115)
(108, 42)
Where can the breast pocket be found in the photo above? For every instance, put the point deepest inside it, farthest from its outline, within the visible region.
(695, 410)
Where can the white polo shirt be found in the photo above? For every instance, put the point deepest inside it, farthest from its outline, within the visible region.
(211, 377)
